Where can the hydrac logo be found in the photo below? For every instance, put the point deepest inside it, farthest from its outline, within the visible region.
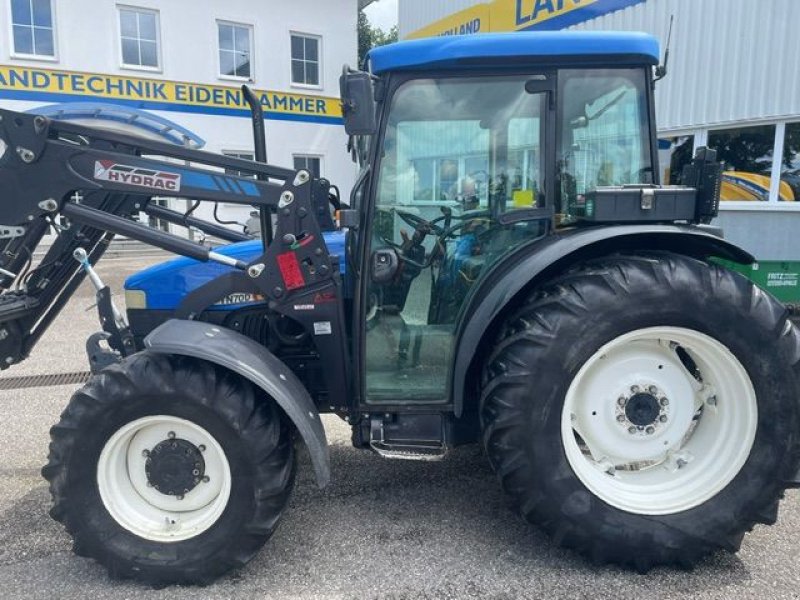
(108, 170)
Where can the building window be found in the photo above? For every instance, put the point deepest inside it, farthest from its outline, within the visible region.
(746, 154)
(32, 24)
(139, 37)
(790, 167)
(676, 154)
(235, 50)
(243, 156)
(312, 164)
(305, 59)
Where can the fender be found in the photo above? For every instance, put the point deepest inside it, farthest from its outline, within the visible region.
(252, 361)
(539, 260)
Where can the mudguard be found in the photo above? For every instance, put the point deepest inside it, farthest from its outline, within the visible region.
(249, 359)
(554, 253)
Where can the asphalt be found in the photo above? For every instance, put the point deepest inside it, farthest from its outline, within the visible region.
(382, 529)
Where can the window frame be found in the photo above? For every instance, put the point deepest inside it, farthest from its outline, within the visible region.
(773, 204)
(159, 56)
(24, 56)
(240, 154)
(299, 84)
(306, 155)
(252, 35)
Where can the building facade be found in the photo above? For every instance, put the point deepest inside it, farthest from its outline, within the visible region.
(184, 62)
(733, 84)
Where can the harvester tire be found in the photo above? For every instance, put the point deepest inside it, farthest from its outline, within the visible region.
(170, 470)
(643, 410)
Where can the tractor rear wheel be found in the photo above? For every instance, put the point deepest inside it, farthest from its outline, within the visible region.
(169, 469)
(644, 410)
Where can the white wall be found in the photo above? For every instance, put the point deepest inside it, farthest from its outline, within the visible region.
(87, 39)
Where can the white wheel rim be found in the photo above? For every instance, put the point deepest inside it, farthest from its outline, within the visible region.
(146, 512)
(701, 435)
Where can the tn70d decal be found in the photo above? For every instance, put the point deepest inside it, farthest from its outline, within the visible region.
(108, 170)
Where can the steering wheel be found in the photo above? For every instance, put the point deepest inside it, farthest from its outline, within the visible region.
(420, 224)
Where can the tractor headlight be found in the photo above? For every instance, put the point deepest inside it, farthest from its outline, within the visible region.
(135, 299)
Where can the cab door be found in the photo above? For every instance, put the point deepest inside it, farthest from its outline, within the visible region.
(457, 158)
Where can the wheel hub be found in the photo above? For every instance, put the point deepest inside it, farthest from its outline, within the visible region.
(642, 409)
(174, 467)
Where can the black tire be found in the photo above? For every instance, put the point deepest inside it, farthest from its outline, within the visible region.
(253, 433)
(543, 344)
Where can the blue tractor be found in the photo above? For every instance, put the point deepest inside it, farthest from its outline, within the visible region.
(508, 270)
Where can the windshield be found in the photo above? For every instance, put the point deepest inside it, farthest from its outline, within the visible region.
(463, 144)
(605, 133)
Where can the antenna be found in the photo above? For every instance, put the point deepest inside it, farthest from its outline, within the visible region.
(661, 70)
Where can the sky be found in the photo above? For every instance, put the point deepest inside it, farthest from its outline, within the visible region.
(382, 14)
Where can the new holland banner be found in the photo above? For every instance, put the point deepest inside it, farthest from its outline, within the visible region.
(520, 15)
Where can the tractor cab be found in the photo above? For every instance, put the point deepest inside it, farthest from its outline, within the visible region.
(480, 145)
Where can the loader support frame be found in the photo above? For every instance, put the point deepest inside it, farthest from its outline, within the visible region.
(100, 181)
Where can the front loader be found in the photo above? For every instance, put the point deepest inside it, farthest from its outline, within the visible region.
(508, 271)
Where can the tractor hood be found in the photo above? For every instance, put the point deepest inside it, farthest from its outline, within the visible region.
(166, 284)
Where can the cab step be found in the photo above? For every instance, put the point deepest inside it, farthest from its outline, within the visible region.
(408, 437)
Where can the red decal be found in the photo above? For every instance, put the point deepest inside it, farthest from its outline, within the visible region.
(324, 297)
(290, 271)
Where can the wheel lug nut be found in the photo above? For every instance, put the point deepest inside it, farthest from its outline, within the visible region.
(652, 389)
(664, 402)
(145, 453)
(650, 430)
(663, 418)
(631, 429)
(206, 479)
(621, 400)
(171, 435)
(202, 448)
(179, 496)
(621, 418)
(635, 389)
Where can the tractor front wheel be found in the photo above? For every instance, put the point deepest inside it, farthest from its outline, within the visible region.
(644, 410)
(169, 469)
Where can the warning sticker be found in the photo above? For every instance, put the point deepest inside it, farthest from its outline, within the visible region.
(322, 328)
(290, 271)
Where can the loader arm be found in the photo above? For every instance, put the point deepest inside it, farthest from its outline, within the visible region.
(100, 181)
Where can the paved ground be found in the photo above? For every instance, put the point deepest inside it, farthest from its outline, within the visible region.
(382, 529)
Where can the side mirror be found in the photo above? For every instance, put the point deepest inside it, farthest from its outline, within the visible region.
(358, 102)
(384, 265)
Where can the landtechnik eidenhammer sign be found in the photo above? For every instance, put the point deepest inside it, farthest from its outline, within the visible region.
(50, 85)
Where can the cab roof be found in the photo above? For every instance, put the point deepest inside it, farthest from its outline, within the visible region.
(517, 48)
